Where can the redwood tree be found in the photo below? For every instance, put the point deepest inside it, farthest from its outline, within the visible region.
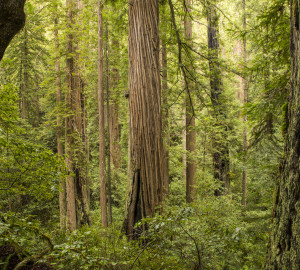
(69, 124)
(220, 144)
(245, 100)
(101, 118)
(59, 121)
(147, 167)
(283, 251)
(191, 191)
(76, 182)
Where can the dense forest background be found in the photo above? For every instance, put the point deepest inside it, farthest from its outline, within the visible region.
(96, 174)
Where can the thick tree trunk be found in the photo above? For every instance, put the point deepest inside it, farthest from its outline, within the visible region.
(59, 135)
(220, 144)
(80, 166)
(101, 118)
(147, 169)
(283, 251)
(191, 190)
(12, 19)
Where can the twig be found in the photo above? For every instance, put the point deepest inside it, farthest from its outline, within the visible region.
(195, 242)
(131, 267)
(179, 43)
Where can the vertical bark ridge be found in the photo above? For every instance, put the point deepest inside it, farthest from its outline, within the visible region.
(283, 250)
(147, 168)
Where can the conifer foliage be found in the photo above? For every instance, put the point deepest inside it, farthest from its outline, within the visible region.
(148, 134)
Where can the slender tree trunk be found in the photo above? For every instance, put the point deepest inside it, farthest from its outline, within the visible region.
(245, 95)
(109, 199)
(59, 134)
(23, 91)
(147, 167)
(86, 149)
(24, 82)
(69, 122)
(101, 118)
(165, 93)
(191, 191)
(283, 250)
(220, 144)
(36, 120)
(204, 153)
(184, 154)
(115, 132)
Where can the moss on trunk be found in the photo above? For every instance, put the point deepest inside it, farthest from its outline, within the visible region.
(284, 246)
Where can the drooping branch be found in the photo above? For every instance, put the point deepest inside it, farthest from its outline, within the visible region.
(179, 43)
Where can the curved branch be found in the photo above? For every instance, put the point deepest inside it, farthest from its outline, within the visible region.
(12, 20)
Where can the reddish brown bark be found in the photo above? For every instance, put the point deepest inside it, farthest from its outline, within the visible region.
(283, 250)
(147, 169)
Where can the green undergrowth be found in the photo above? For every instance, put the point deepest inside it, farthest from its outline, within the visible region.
(213, 233)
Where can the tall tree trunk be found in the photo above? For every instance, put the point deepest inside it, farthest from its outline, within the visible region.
(165, 92)
(283, 250)
(115, 153)
(220, 144)
(59, 135)
(245, 100)
(184, 154)
(147, 167)
(76, 185)
(86, 148)
(24, 75)
(101, 118)
(109, 198)
(69, 122)
(80, 167)
(191, 190)
(24, 87)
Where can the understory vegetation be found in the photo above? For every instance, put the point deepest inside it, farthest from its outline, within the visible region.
(225, 225)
